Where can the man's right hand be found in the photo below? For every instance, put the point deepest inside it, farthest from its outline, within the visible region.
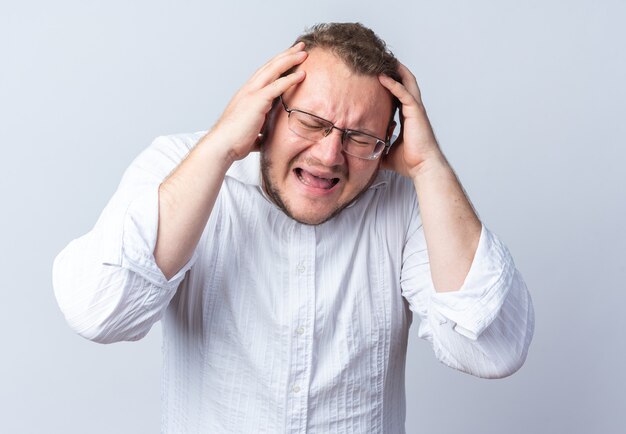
(238, 128)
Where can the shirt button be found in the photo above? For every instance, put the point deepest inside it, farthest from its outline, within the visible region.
(296, 389)
(300, 268)
(300, 330)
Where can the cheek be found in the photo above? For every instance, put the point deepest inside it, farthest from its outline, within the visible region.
(282, 153)
(360, 173)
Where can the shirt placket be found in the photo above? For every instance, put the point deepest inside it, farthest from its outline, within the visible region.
(302, 301)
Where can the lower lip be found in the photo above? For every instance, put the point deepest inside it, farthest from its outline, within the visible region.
(314, 191)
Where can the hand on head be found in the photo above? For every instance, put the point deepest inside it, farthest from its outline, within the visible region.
(244, 118)
(416, 142)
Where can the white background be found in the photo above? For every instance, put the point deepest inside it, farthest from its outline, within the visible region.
(527, 100)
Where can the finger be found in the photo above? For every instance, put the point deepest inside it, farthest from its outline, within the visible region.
(279, 64)
(408, 80)
(276, 69)
(279, 86)
(291, 50)
(407, 99)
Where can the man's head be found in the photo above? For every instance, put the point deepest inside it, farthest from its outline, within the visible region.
(314, 179)
(356, 45)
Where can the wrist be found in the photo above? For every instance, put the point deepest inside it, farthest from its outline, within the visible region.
(435, 163)
(217, 150)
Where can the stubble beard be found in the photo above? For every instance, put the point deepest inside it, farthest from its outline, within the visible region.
(275, 195)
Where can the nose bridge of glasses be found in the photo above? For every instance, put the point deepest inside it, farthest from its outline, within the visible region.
(328, 129)
(331, 128)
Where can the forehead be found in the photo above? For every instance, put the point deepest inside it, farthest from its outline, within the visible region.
(333, 91)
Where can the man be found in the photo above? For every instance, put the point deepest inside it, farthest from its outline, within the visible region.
(286, 279)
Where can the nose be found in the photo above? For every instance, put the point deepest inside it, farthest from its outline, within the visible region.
(328, 150)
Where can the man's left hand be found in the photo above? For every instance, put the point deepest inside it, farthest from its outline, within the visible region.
(416, 144)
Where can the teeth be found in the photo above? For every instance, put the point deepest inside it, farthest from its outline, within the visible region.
(309, 179)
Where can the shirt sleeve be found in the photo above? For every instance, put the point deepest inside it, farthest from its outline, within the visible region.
(107, 282)
(486, 326)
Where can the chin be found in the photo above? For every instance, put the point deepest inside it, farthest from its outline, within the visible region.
(308, 214)
(312, 220)
(305, 214)
(297, 214)
(301, 210)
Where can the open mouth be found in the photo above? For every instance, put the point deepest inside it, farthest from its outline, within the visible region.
(311, 180)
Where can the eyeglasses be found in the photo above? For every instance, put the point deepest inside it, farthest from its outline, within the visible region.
(355, 143)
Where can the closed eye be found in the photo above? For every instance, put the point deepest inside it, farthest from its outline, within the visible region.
(360, 140)
(311, 125)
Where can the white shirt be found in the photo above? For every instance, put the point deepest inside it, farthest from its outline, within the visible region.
(274, 326)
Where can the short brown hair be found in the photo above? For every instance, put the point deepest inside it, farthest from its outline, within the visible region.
(357, 46)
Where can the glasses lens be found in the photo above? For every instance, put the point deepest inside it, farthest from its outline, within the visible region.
(354, 143)
(308, 126)
(362, 145)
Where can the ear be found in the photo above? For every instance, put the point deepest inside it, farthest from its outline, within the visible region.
(270, 120)
(390, 129)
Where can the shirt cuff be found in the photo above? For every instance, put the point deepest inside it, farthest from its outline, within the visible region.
(478, 302)
(134, 249)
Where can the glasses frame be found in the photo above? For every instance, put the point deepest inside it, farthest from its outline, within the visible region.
(344, 133)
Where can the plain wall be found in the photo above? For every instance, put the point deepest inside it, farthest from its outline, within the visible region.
(527, 100)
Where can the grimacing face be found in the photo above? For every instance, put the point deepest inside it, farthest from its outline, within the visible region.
(313, 181)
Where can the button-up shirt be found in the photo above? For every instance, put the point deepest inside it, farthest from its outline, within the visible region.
(276, 326)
